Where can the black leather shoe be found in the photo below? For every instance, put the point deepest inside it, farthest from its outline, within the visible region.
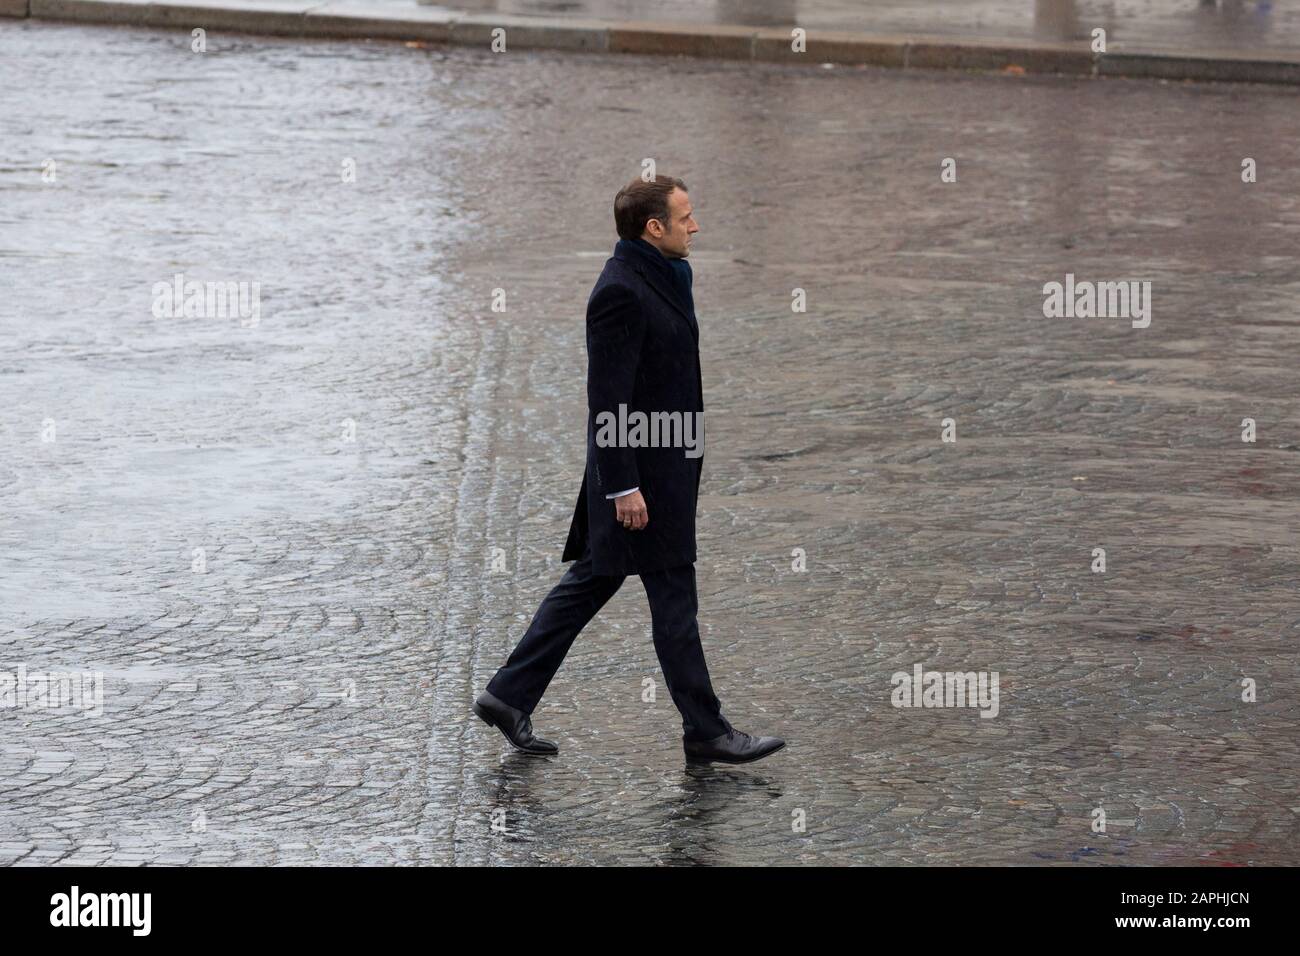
(515, 724)
(735, 746)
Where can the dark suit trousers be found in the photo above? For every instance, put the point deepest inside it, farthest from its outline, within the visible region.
(573, 602)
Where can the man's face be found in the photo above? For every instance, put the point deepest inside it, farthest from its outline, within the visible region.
(674, 239)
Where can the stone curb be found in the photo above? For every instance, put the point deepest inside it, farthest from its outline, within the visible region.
(345, 20)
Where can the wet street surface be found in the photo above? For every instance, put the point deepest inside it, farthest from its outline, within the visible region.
(279, 541)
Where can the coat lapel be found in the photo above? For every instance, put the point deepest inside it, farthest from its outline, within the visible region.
(669, 296)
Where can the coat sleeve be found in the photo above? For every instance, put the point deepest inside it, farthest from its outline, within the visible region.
(615, 333)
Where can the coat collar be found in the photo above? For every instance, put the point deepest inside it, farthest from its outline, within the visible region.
(651, 264)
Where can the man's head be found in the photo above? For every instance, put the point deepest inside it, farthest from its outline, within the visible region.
(659, 212)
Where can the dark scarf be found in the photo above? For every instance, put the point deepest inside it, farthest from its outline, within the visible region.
(676, 271)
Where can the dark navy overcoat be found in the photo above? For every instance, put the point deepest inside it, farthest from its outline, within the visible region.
(642, 352)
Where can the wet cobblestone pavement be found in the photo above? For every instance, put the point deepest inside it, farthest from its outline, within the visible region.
(306, 698)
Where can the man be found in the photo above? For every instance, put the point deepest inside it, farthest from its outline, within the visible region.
(636, 509)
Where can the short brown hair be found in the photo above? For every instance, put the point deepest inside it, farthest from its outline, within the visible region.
(640, 201)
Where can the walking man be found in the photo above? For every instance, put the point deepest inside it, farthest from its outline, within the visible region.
(636, 508)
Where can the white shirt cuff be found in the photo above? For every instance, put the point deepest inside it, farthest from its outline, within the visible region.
(620, 494)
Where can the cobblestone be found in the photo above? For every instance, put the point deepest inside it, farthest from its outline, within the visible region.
(305, 699)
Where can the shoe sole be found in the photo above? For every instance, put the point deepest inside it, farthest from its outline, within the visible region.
(690, 759)
(486, 717)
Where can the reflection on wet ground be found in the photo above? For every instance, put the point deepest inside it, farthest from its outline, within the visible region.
(303, 697)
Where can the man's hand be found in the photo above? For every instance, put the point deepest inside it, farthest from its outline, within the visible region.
(630, 511)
